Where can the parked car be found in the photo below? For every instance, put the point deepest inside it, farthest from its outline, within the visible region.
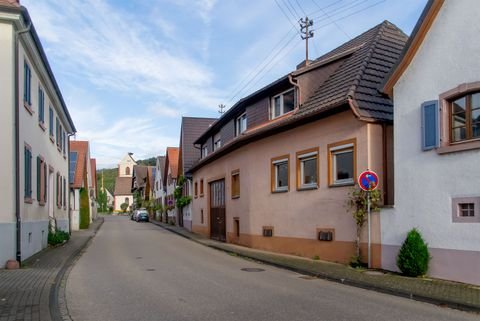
(142, 216)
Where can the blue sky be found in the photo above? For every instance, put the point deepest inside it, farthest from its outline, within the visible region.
(129, 70)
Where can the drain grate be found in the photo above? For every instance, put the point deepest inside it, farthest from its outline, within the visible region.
(150, 270)
(252, 270)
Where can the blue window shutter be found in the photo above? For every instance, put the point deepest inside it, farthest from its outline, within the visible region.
(430, 125)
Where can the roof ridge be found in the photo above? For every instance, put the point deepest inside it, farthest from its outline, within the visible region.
(366, 61)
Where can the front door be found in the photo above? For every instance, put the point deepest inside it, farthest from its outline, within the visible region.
(218, 229)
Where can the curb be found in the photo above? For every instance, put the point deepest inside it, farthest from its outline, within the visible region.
(358, 284)
(58, 306)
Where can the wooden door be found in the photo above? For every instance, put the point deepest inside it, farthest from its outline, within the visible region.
(218, 229)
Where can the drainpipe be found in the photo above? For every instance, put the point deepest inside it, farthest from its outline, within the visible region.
(17, 147)
(295, 84)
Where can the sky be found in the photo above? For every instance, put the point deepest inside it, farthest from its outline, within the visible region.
(130, 69)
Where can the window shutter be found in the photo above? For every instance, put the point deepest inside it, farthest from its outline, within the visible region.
(45, 182)
(430, 125)
(39, 166)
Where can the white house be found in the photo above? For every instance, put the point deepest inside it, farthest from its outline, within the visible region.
(158, 190)
(123, 183)
(35, 129)
(170, 182)
(82, 180)
(436, 92)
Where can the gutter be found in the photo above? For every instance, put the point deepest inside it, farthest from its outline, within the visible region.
(17, 145)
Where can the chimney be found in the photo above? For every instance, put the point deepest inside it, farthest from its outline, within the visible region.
(304, 63)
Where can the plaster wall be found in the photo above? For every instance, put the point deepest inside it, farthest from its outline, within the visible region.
(425, 181)
(295, 215)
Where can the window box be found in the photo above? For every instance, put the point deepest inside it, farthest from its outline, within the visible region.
(307, 169)
(280, 174)
(342, 163)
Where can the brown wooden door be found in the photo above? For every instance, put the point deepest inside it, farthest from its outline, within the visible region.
(218, 229)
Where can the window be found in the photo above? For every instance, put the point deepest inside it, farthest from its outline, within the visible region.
(41, 106)
(50, 121)
(127, 201)
(73, 166)
(217, 144)
(465, 118)
(236, 226)
(280, 174)
(127, 170)
(27, 173)
(236, 183)
(341, 163)
(466, 210)
(196, 189)
(241, 124)
(282, 104)
(27, 79)
(307, 169)
(60, 133)
(201, 187)
(204, 151)
(57, 129)
(41, 180)
(201, 216)
(267, 231)
(64, 147)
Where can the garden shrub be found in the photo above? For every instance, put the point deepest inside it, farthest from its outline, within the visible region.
(57, 237)
(84, 209)
(413, 258)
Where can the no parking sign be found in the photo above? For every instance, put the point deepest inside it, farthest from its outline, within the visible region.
(368, 181)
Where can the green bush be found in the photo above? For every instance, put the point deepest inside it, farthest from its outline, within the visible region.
(84, 209)
(58, 237)
(413, 257)
(123, 207)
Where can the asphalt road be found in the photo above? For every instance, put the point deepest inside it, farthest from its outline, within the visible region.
(138, 271)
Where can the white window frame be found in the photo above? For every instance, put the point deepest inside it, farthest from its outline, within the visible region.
(238, 124)
(276, 163)
(305, 157)
(282, 111)
(342, 149)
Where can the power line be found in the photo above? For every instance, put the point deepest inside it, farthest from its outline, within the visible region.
(343, 8)
(336, 24)
(286, 15)
(301, 8)
(286, 4)
(294, 13)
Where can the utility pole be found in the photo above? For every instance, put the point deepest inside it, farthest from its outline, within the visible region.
(221, 108)
(306, 34)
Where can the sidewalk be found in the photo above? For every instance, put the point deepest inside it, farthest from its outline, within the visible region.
(452, 294)
(30, 293)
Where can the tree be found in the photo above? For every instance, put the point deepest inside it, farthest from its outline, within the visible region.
(357, 203)
(413, 257)
(102, 201)
(124, 207)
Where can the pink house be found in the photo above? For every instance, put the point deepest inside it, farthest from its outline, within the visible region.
(276, 168)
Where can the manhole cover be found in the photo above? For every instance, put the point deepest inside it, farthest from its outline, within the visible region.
(252, 270)
(150, 270)
(374, 273)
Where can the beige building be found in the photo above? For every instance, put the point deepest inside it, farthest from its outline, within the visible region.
(35, 131)
(123, 183)
(276, 168)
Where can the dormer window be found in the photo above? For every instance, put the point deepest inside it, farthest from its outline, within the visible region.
(204, 151)
(282, 103)
(241, 124)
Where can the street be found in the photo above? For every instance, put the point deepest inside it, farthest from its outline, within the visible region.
(139, 271)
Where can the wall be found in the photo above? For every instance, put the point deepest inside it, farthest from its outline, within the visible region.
(425, 182)
(295, 215)
(124, 163)
(7, 116)
(120, 199)
(258, 113)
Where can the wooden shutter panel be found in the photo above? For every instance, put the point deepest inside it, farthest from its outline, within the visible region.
(430, 125)
(39, 177)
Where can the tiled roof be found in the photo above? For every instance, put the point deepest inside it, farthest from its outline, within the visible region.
(192, 128)
(140, 175)
(361, 74)
(9, 3)
(364, 61)
(123, 186)
(172, 161)
(81, 148)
